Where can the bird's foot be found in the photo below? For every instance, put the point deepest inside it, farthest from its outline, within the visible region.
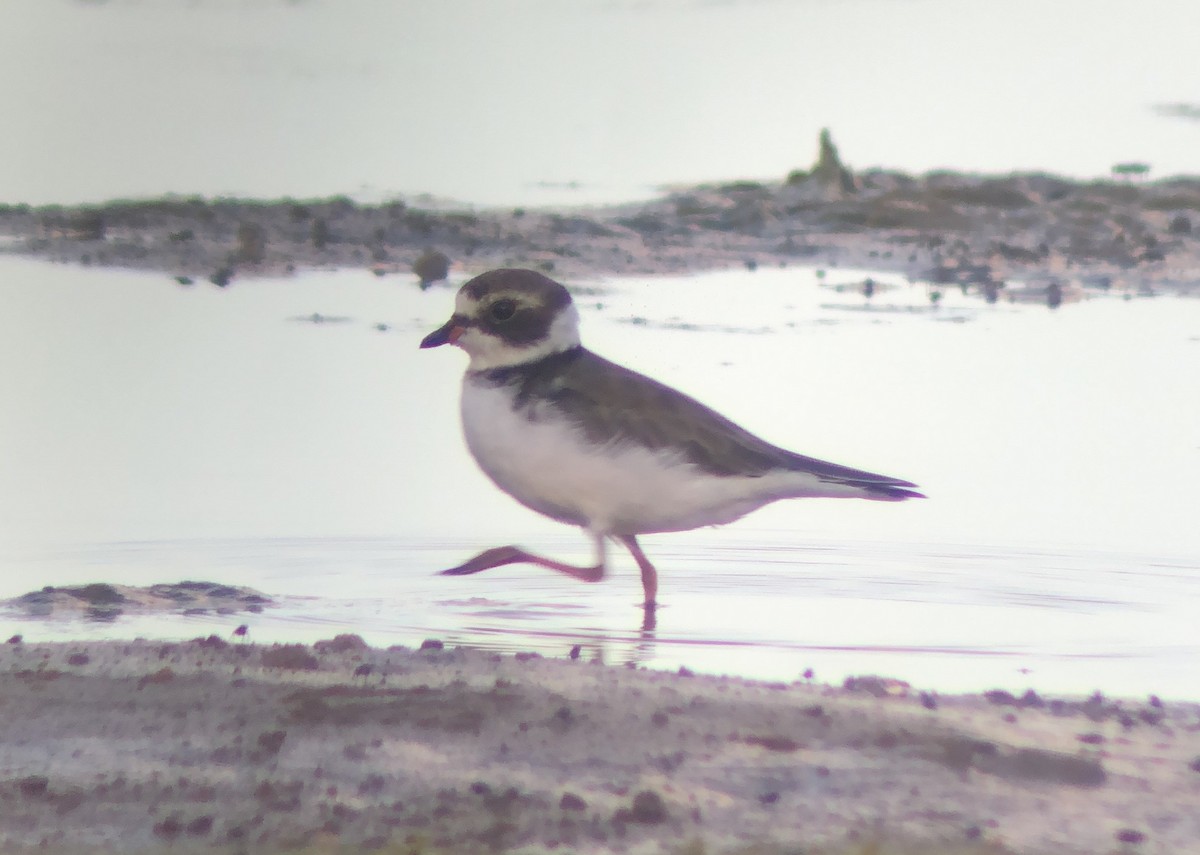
(501, 555)
(486, 560)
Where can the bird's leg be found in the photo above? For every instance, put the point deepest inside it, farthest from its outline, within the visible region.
(649, 574)
(649, 622)
(501, 555)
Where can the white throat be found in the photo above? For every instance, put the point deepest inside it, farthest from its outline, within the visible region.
(490, 351)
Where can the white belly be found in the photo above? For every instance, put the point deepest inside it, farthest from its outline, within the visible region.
(548, 465)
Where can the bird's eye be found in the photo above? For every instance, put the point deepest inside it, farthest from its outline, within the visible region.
(502, 310)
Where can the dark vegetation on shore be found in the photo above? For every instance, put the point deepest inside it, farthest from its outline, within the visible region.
(943, 227)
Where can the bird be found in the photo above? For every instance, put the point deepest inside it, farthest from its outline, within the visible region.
(593, 444)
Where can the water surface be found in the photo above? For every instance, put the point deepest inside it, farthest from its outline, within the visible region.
(152, 432)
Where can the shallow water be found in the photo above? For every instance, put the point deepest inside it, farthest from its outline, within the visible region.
(152, 432)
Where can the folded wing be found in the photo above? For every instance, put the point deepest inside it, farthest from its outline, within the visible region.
(614, 405)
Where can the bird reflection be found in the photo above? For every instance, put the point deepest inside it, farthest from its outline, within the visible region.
(636, 648)
(647, 643)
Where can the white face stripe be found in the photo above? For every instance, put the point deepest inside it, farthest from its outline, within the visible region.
(489, 351)
(465, 305)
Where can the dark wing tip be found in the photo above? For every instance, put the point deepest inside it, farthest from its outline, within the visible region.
(874, 486)
(892, 492)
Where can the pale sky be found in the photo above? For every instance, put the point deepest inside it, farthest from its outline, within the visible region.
(483, 100)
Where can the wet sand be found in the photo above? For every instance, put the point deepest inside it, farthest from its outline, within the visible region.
(203, 745)
(977, 232)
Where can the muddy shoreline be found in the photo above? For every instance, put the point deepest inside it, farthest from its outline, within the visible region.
(971, 231)
(218, 745)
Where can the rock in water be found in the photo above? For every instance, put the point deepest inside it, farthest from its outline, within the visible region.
(431, 267)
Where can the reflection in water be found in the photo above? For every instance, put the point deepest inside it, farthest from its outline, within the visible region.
(943, 616)
(551, 628)
(645, 648)
(649, 620)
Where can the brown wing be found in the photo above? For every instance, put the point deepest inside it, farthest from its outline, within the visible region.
(615, 405)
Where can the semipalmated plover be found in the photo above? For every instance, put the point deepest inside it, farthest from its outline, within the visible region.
(588, 442)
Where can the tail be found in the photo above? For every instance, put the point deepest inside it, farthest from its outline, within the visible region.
(853, 483)
(894, 491)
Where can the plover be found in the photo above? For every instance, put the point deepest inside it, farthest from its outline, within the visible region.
(587, 442)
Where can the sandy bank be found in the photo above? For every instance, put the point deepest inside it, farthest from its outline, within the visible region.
(125, 747)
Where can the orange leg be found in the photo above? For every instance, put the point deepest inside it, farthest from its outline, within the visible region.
(501, 555)
(649, 574)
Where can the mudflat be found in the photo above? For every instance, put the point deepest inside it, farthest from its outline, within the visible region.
(211, 745)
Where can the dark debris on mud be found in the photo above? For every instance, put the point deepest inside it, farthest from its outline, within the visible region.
(102, 601)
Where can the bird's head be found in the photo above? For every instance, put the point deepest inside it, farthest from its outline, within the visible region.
(509, 317)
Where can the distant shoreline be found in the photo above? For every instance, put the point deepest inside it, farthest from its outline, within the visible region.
(957, 230)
